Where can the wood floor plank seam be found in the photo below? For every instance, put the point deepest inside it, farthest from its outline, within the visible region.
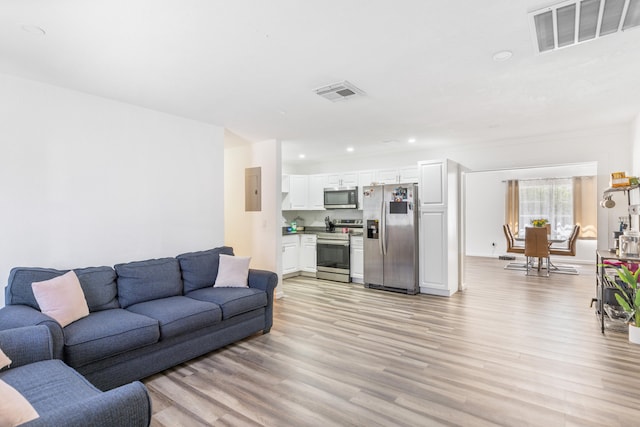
(510, 350)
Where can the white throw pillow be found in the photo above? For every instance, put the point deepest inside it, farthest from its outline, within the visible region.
(61, 298)
(233, 271)
(4, 360)
(14, 408)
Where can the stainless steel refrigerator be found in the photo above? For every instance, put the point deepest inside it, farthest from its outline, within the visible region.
(390, 215)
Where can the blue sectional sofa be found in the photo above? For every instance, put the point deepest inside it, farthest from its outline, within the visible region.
(60, 395)
(145, 316)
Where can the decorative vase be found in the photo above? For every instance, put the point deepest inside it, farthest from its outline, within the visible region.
(634, 334)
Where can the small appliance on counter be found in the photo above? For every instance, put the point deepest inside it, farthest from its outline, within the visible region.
(330, 227)
(616, 242)
(630, 244)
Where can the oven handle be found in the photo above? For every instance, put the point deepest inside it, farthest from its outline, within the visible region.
(332, 242)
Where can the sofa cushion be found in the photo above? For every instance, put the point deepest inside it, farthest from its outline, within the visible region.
(4, 360)
(61, 298)
(233, 271)
(19, 285)
(99, 287)
(232, 301)
(141, 281)
(179, 315)
(14, 408)
(49, 385)
(200, 269)
(106, 333)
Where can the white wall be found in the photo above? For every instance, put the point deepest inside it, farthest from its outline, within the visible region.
(255, 234)
(86, 181)
(635, 141)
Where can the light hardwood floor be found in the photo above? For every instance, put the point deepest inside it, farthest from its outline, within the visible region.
(510, 351)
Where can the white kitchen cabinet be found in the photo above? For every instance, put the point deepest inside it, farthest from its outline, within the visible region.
(315, 199)
(298, 192)
(387, 176)
(439, 227)
(365, 178)
(357, 259)
(290, 254)
(348, 179)
(285, 183)
(308, 261)
(433, 184)
(409, 174)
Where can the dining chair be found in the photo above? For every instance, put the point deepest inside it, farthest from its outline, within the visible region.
(570, 250)
(511, 246)
(536, 245)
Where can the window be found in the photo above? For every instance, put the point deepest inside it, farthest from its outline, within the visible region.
(562, 201)
(547, 198)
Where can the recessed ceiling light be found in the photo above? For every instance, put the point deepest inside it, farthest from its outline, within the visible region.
(350, 149)
(412, 140)
(503, 55)
(301, 156)
(33, 29)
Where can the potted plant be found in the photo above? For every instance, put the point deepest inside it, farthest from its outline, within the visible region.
(629, 299)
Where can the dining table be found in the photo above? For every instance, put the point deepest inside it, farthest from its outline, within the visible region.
(553, 268)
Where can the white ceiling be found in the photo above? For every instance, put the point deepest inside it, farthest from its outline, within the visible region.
(252, 65)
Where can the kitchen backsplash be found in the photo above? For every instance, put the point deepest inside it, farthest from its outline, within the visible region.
(316, 218)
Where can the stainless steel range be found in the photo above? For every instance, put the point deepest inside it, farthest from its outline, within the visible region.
(333, 258)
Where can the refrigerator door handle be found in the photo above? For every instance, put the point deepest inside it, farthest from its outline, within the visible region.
(383, 229)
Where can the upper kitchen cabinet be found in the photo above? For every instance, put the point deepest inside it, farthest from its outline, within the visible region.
(405, 175)
(349, 179)
(409, 174)
(364, 178)
(306, 192)
(285, 183)
(433, 184)
(298, 192)
(317, 183)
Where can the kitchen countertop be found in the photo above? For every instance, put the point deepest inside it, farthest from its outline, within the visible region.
(316, 230)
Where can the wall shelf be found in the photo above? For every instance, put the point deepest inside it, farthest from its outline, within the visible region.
(625, 188)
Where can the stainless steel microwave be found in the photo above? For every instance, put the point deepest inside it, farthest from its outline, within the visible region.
(341, 198)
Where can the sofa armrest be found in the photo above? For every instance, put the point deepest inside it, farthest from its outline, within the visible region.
(16, 316)
(267, 281)
(26, 345)
(128, 405)
(263, 279)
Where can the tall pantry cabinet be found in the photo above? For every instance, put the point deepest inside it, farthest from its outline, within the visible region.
(439, 227)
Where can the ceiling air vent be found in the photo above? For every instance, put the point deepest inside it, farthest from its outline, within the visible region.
(578, 21)
(339, 91)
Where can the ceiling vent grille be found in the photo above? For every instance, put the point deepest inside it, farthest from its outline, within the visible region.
(578, 21)
(339, 91)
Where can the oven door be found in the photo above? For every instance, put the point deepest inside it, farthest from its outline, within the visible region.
(333, 256)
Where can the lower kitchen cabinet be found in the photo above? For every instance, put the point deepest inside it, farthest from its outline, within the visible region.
(308, 261)
(290, 254)
(357, 259)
